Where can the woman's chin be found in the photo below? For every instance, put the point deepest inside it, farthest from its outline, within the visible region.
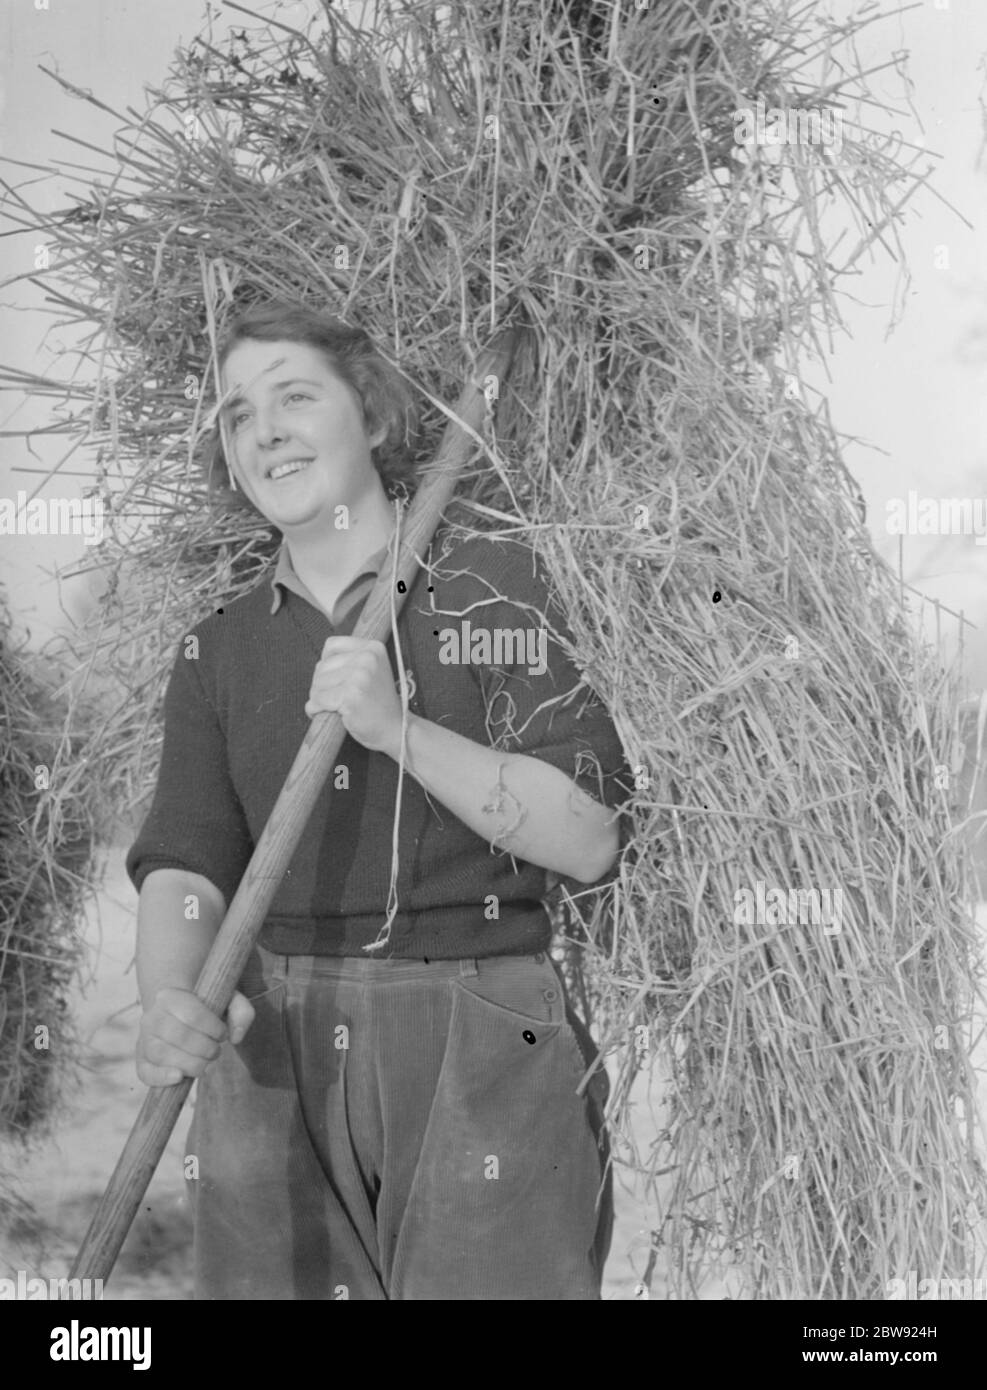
(291, 516)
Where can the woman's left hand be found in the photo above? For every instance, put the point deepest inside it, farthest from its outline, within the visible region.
(354, 677)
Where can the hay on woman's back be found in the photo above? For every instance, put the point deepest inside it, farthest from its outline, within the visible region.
(703, 534)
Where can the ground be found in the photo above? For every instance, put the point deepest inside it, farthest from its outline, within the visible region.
(63, 1177)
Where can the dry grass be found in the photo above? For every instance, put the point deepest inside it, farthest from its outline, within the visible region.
(47, 870)
(757, 657)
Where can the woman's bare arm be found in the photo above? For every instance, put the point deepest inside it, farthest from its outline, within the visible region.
(178, 916)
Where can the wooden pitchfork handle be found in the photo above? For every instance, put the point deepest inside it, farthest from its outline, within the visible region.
(279, 839)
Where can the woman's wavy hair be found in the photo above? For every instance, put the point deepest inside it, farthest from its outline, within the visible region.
(388, 401)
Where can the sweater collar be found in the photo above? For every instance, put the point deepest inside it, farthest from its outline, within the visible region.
(285, 577)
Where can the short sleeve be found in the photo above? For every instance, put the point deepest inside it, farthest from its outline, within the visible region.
(543, 707)
(196, 821)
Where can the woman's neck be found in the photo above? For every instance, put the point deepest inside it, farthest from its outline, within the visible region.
(329, 560)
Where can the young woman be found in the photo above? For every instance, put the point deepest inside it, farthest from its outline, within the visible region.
(398, 1122)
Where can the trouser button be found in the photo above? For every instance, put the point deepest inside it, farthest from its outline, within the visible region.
(539, 957)
(551, 994)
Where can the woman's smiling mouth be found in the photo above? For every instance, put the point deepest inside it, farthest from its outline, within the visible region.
(286, 470)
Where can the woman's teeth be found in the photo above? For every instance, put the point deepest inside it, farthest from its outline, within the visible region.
(283, 470)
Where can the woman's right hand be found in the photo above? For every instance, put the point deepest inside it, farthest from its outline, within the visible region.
(180, 1037)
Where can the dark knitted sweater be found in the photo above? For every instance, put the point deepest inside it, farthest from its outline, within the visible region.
(234, 720)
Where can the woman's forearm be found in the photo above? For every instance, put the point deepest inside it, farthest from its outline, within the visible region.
(178, 916)
(514, 801)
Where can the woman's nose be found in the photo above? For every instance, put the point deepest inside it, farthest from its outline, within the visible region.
(268, 429)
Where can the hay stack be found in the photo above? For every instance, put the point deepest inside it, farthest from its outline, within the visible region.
(46, 874)
(689, 502)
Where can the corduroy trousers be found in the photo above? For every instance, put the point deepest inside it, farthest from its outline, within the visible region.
(400, 1129)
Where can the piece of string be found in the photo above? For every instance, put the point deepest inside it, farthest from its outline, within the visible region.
(497, 806)
(384, 935)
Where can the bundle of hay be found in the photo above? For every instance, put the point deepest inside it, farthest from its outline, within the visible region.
(578, 167)
(47, 835)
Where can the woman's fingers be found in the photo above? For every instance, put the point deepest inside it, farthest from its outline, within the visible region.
(179, 1036)
(333, 646)
(239, 1016)
(158, 1076)
(188, 1009)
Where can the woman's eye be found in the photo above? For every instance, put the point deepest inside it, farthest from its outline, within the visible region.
(237, 420)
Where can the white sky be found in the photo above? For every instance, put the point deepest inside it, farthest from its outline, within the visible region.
(916, 399)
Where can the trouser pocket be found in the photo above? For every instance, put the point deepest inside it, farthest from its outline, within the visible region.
(503, 1204)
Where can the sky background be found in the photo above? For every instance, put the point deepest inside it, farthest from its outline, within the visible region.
(912, 400)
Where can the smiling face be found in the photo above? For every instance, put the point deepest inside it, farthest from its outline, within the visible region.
(296, 432)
